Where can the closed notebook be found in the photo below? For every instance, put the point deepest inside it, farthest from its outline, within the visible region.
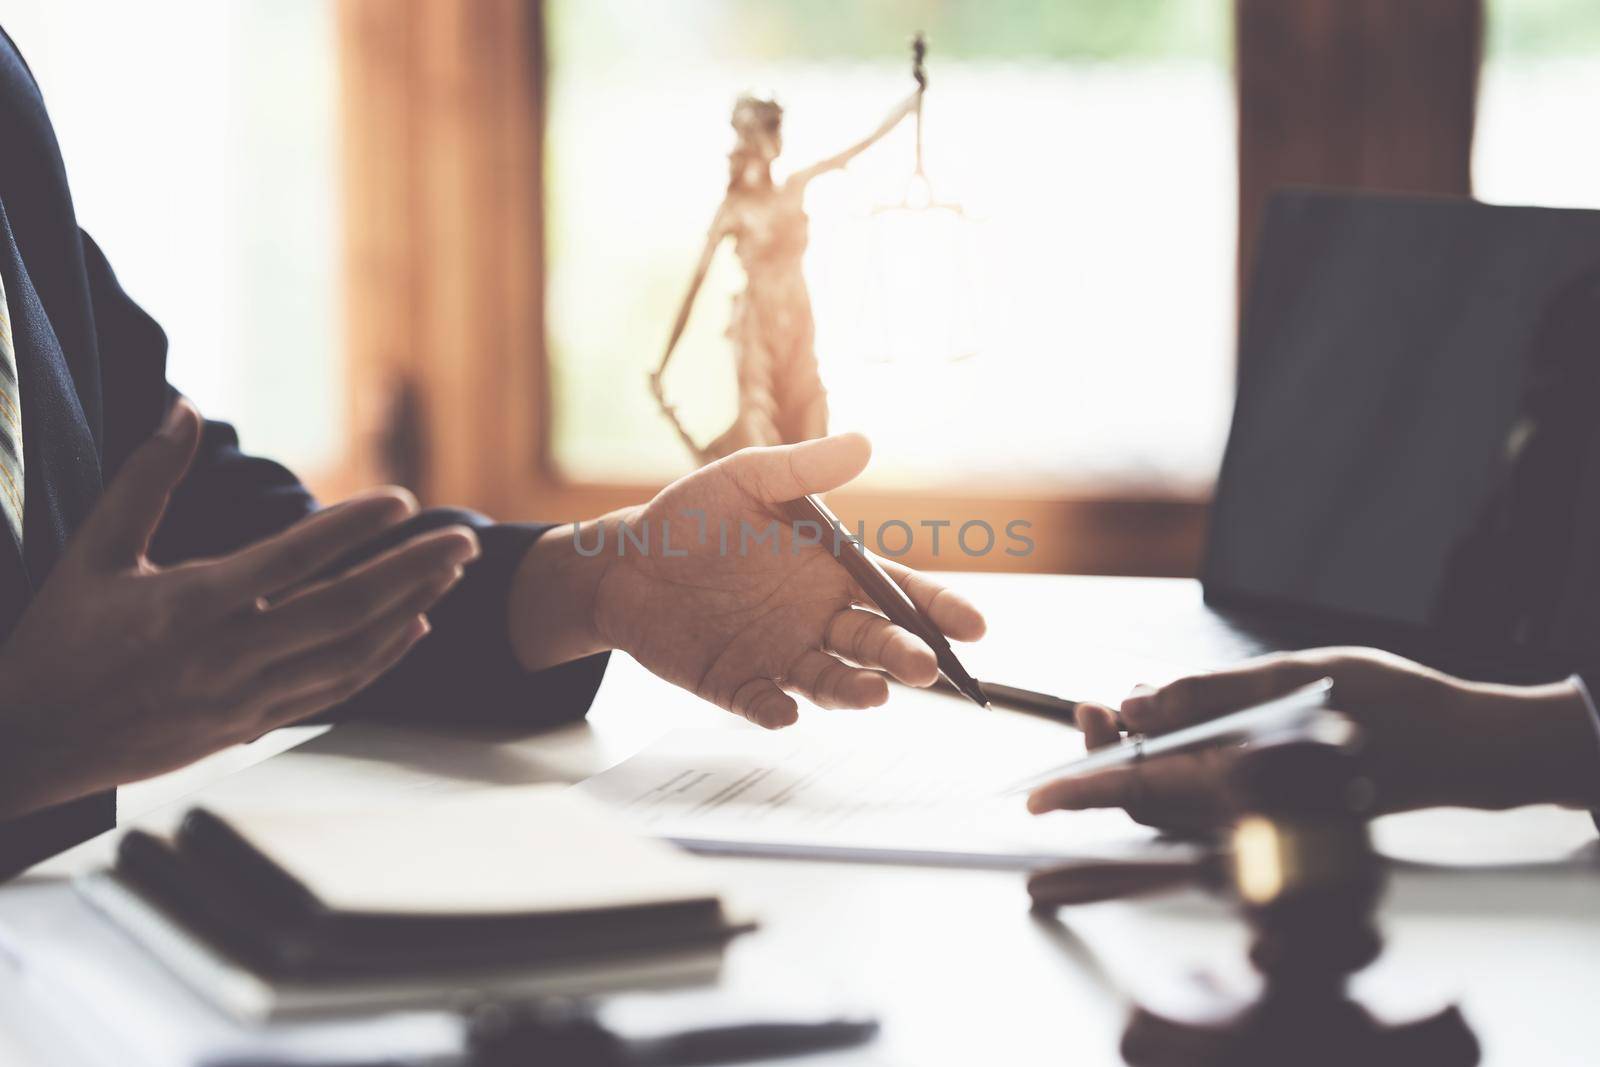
(242, 993)
(522, 877)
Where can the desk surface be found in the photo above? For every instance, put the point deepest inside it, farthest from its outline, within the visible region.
(952, 961)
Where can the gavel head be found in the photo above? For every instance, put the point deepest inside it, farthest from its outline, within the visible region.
(1301, 864)
(1301, 860)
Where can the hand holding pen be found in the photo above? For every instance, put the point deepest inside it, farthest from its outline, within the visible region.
(884, 592)
(1427, 738)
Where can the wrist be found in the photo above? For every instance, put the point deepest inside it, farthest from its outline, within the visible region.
(1544, 746)
(554, 594)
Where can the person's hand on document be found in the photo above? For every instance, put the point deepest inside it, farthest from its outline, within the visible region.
(722, 601)
(1429, 739)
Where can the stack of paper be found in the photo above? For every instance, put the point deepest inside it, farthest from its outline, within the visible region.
(872, 788)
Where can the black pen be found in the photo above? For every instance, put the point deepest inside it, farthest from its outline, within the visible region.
(884, 591)
(1025, 701)
(517, 1034)
(752, 1041)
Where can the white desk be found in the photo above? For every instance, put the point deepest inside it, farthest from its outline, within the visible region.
(952, 961)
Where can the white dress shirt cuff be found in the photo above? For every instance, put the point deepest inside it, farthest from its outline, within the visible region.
(1588, 700)
(1594, 719)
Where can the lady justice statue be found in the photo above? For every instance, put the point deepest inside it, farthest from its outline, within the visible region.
(781, 398)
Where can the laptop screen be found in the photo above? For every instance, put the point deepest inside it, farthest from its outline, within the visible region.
(1416, 438)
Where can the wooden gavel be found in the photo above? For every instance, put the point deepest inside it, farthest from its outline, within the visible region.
(1297, 859)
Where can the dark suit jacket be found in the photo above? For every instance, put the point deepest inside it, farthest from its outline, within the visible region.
(92, 372)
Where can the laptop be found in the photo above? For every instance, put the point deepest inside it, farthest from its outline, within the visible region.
(1414, 460)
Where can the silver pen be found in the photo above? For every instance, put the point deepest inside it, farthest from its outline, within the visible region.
(1293, 712)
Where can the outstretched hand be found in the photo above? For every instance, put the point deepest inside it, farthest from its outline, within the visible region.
(745, 623)
(724, 602)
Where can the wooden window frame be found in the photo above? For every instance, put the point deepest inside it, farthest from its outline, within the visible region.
(442, 111)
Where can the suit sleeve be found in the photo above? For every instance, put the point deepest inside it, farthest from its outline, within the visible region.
(464, 670)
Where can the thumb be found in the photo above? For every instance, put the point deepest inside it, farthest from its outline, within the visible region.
(122, 523)
(786, 472)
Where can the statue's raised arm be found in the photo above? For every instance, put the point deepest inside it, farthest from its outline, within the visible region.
(911, 105)
(799, 179)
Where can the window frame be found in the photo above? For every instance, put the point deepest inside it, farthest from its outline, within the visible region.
(444, 194)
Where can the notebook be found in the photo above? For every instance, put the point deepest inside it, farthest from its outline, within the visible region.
(78, 991)
(249, 997)
(526, 890)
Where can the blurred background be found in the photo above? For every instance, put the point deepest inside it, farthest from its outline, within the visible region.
(441, 242)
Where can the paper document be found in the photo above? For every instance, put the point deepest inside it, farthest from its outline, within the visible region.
(861, 790)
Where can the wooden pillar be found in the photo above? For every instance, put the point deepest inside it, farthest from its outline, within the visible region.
(442, 188)
(1361, 94)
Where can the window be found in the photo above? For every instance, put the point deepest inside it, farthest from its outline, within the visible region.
(1093, 143)
(209, 174)
(1536, 112)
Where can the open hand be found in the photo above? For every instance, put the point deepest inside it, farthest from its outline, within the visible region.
(119, 670)
(726, 604)
(741, 626)
(1428, 739)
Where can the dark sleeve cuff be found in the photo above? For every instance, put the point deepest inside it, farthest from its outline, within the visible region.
(26, 841)
(465, 671)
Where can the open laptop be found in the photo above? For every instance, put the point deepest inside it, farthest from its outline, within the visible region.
(1414, 460)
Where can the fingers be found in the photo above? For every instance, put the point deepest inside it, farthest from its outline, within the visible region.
(1099, 725)
(412, 576)
(1175, 792)
(119, 529)
(763, 703)
(772, 475)
(953, 613)
(870, 640)
(828, 683)
(330, 676)
(1115, 788)
(1204, 696)
(312, 545)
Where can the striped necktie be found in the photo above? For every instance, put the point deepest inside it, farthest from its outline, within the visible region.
(11, 479)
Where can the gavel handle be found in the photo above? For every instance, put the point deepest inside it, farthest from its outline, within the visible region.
(1088, 881)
